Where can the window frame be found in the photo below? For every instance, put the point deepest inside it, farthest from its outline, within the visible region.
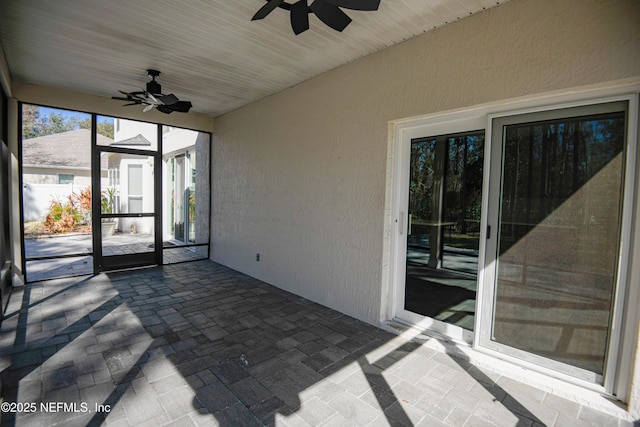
(66, 178)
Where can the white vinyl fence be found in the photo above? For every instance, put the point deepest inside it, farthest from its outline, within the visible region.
(38, 197)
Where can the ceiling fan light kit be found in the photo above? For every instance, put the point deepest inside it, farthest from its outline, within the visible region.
(153, 97)
(328, 11)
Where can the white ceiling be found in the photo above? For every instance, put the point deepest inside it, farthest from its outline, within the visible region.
(209, 51)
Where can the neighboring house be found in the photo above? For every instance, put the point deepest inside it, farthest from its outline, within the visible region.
(55, 166)
(132, 176)
(60, 158)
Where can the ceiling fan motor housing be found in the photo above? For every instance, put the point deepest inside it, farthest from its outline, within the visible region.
(154, 87)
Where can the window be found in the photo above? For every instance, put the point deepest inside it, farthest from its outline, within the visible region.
(65, 178)
(186, 194)
(114, 176)
(134, 188)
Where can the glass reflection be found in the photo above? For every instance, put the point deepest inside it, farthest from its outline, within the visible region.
(558, 242)
(445, 193)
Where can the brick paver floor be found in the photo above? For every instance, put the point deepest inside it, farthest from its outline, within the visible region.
(198, 344)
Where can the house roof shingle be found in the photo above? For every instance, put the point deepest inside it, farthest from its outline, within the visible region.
(70, 149)
(137, 140)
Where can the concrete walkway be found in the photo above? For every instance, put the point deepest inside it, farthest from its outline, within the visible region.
(198, 344)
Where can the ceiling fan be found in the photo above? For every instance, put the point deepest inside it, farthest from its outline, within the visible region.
(328, 11)
(153, 97)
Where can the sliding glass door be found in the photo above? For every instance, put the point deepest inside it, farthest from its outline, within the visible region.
(442, 238)
(519, 245)
(553, 252)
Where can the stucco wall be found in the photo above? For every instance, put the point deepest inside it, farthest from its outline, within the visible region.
(299, 177)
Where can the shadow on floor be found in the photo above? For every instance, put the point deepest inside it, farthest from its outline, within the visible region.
(200, 344)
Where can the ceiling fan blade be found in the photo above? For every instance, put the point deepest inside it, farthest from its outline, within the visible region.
(356, 4)
(330, 15)
(168, 99)
(164, 109)
(180, 106)
(299, 17)
(266, 9)
(153, 99)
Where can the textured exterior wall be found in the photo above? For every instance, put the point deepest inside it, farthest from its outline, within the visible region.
(299, 177)
(43, 176)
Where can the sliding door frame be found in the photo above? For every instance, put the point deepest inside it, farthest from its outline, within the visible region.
(610, 382)
(401, 132)
(404, 137)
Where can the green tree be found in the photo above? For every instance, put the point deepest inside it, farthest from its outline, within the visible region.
(35, 124)
(103, 128)
(30, 121)
(57, 123)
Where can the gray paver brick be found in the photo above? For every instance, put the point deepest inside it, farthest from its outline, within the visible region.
(230, 371)
(404, 413)
(179, 401)
(315, 411)
(353, 409)
(200, 344)
(593, 417)
(266, 410)
(250, 391)
(237, 414)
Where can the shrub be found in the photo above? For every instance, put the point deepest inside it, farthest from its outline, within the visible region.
(62, 217)
(82, 202)
(83, 199)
